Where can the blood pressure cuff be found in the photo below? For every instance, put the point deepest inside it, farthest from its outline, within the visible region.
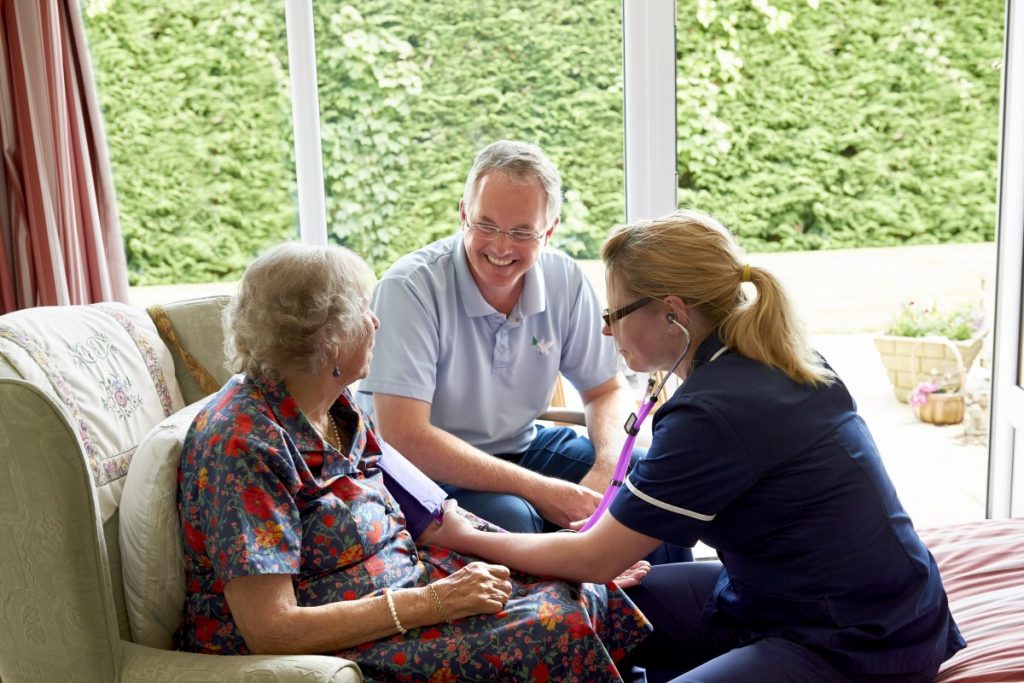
(416, 494)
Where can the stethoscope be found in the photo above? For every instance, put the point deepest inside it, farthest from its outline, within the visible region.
(633, 424)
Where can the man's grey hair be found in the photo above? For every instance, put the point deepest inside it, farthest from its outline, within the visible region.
(522, 163)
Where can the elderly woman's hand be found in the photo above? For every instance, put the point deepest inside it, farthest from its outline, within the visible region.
(477, 588)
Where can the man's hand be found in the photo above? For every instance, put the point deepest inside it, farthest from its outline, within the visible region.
(598, 478)
(562, 502)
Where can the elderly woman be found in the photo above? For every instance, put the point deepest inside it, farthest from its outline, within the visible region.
(293, 544)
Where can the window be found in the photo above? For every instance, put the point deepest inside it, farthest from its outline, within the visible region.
(197, 111)
(410, 91)
(824, 126)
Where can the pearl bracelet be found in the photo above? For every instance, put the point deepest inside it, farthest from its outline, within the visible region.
(394, 612)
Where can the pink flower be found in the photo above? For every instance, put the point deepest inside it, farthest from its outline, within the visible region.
(919, 396)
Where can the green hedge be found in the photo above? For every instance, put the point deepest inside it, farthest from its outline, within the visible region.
(852, 123)
(411, 90)
(198, 119)
(858, 123)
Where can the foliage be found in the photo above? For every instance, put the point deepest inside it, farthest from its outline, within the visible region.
(913, 320)
(198, 120)
(845, 124)
(410, 91)
(803, 126)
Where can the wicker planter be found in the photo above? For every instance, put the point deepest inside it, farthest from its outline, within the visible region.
(911, 360)
(942, 409)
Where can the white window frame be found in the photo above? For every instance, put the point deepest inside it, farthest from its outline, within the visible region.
(649, 100)
(649, 103)
(1006, 472)
(309, 163)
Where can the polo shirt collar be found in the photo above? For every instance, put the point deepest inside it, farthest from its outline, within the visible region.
(532, 300)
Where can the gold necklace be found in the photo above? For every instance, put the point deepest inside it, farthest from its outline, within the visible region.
(333, 427)
(334, 431)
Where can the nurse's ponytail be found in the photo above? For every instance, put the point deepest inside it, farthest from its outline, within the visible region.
(691, 255)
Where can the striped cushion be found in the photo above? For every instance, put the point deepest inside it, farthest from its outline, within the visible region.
(982, 565)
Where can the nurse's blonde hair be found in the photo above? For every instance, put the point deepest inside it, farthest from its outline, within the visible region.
(691, 255)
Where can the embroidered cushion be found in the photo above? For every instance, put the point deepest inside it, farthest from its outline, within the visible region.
(151, 543)
(106, 366)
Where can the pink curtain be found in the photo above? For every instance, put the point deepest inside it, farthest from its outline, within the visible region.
(61, 240)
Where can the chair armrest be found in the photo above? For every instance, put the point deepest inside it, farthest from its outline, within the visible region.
(146, 664)
(567, 416)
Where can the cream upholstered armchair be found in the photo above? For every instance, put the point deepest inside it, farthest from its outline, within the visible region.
(93, 406)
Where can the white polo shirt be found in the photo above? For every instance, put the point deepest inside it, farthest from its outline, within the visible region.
(486, 376)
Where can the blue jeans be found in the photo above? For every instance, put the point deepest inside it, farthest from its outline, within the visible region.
(555, 452)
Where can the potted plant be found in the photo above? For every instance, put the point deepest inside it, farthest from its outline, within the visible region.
(940, 400)
(923, 342)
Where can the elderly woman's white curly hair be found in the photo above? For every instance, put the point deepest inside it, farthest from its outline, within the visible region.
(297, 304)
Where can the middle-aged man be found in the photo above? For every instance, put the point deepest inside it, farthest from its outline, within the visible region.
(474, 331)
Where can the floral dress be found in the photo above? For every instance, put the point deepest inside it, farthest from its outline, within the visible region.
(261, 493)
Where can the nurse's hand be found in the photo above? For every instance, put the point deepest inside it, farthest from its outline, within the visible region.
(579, 524)
(455, 531)
(634, 575)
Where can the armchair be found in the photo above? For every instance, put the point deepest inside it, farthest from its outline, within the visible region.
(81, 387)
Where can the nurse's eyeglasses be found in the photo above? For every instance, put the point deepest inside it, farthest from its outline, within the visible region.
(610, 317)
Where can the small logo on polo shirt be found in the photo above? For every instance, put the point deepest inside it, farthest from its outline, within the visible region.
(543, 346)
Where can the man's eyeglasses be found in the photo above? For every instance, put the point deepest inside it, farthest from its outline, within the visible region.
(492, 231)
(611, 317)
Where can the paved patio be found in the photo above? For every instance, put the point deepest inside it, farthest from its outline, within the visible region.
(844, 297)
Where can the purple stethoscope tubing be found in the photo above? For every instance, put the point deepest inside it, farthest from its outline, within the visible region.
(632, 427)
(637, 420)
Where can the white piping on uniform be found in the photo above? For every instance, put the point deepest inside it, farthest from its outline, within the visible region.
(718, 353)
(666, 506)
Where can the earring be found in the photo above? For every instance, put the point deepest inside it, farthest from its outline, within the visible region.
(335, 372)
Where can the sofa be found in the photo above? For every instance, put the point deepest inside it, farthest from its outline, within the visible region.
(94, 401)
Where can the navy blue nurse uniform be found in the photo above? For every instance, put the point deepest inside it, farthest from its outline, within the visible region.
(786, 483)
